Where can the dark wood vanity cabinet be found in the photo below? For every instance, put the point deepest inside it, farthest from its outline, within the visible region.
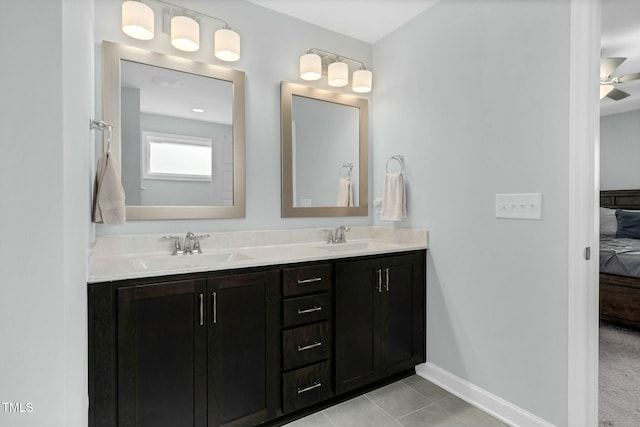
(200, 352)
(307, 343)
(380, 318)
(244, 384)
(161, 353)
(254, 346)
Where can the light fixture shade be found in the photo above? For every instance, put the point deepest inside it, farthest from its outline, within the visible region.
(185, 33)
(338, 74)
(362, 81)
(605, 89)
(310, 66)
(137, 20)
(227, 45)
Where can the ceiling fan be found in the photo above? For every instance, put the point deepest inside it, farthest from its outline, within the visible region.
(607, 81)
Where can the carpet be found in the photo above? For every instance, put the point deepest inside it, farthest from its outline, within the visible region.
(619, 376)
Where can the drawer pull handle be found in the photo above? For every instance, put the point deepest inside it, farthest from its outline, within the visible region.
(311, 387)
(309, 310)
(310, 346)
(313, 279)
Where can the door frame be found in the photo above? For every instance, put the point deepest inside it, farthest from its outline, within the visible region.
(584, 184)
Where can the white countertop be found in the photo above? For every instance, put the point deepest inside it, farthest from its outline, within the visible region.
(136, 256)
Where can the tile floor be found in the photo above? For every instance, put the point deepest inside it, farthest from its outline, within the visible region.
(412, 402)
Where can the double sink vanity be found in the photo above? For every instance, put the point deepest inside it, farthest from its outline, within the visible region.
(259, 329)
(242, 328)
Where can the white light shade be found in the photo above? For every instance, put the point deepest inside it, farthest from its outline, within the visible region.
(137, 20)
(227, 45)
(185, 33)
(310, 66)
(362, 81)
(338, 74)
(605, 89)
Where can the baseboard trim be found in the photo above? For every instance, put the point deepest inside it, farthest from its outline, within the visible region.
(496, 406)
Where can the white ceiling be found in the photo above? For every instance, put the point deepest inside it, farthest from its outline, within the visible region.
(366, 20)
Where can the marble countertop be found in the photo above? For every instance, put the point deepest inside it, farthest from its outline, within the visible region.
(137, 256)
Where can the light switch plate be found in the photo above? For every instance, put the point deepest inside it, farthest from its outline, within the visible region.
(519, 206)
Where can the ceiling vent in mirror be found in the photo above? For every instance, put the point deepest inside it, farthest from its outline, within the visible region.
(182, 24)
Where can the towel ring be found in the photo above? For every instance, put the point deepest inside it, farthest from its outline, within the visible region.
(399, 158)
(348, 167)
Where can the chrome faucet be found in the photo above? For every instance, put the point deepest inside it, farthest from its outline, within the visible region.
(190, 245)
(337, 235)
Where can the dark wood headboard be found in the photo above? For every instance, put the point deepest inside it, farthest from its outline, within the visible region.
(620, 199)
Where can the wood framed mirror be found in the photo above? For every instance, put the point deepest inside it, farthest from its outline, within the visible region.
(324, 144)
(165, 108)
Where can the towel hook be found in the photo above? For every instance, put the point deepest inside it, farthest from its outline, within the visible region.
(101, 126)
(348, 167)
(399, 158)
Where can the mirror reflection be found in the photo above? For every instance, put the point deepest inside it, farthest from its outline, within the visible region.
(324, 153)
(178, 134)
(177, 138)
(326, 149)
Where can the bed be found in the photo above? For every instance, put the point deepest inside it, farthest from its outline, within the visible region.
(619, 263)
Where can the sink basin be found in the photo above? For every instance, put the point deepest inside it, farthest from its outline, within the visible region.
(345, 247)
(170, 262)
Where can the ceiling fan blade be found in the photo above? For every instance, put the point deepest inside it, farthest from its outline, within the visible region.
(605, 89)
(617, 94)
(608, 66)
(628, 78)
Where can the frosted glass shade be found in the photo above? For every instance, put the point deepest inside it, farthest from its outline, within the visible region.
(362, 81)
(185, 33)
(605, 89)
(310, 66)
(137, 20)
(227, 45)
(338, 74)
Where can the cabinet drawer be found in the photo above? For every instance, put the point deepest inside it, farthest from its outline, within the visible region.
(312, 308)
(305, 345)
(306, 386)
(306, 280)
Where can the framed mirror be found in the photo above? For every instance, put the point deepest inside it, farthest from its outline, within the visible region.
(324, 153)
(178, 135)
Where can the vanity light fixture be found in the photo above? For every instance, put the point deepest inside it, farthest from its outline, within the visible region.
(310, 66)
(338, 74)
(198, 110)
(185, 33)
(182, 24)
(137, 20)
(314, 61)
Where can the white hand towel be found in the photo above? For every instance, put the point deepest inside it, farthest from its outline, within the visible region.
(394, 201)
(345, 194)
(108, 200)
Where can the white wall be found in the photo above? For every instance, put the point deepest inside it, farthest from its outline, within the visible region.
(620, 151)
(44, 181)
(470, 103)
(271, 45)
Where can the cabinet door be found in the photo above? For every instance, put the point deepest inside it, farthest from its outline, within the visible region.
(357, 310)
(161, 353)
(244, 353)
(403, 315)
